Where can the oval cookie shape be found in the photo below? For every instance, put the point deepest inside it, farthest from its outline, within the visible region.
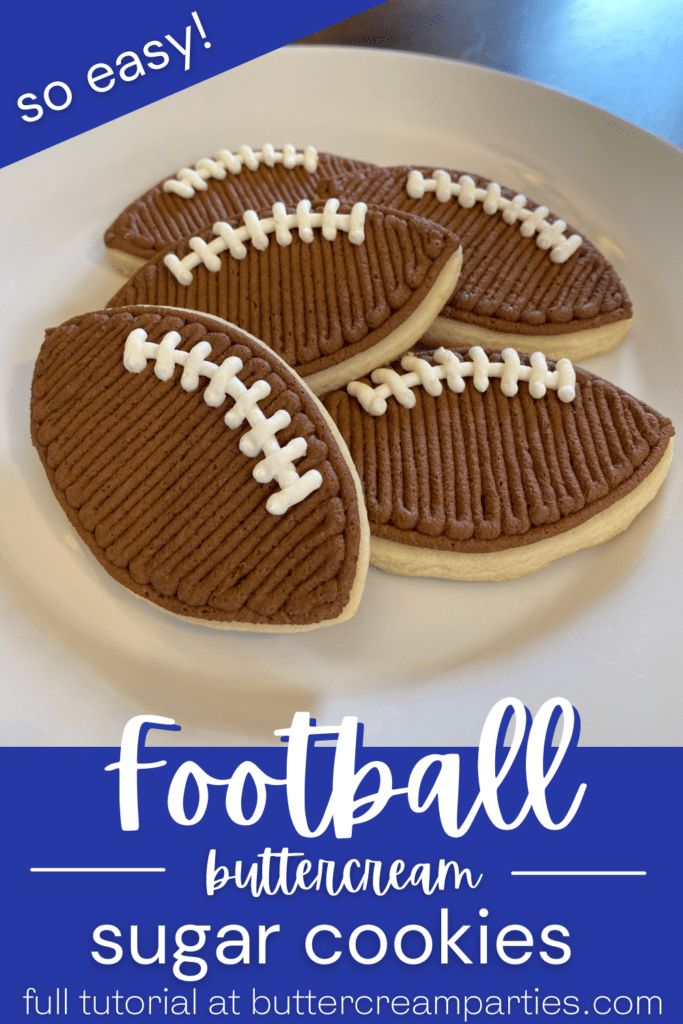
(200, 471)
(482, 465)
(334, 291)
(526, 273)
(216, 188)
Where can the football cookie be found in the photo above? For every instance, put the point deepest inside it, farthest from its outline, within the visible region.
(216, 188)
(333, 291)
(479, 465)
(200, 471)
(527, 277)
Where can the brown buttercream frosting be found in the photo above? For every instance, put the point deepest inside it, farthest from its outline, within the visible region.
(507, 283)
(158, 218)
(479, 472)
(156, 485)
(316, 304)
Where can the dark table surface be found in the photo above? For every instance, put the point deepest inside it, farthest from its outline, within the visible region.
(623, 55)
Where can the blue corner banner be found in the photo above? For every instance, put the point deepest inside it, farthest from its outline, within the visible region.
(527, 879)
(70, 67)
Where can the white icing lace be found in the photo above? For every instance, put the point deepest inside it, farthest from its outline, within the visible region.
(256, 231)
(451, 368)
(278, 463)
(549, 234)
(190, 180)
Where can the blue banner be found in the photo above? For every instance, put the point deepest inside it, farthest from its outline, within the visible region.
(340, 881)
(69, 68)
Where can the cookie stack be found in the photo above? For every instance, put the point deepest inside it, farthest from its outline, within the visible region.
(317, 363)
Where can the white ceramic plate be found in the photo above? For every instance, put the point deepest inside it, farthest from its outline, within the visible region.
(423, 660)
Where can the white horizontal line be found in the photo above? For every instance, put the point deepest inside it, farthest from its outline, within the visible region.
(74, 871)
(622, 874)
